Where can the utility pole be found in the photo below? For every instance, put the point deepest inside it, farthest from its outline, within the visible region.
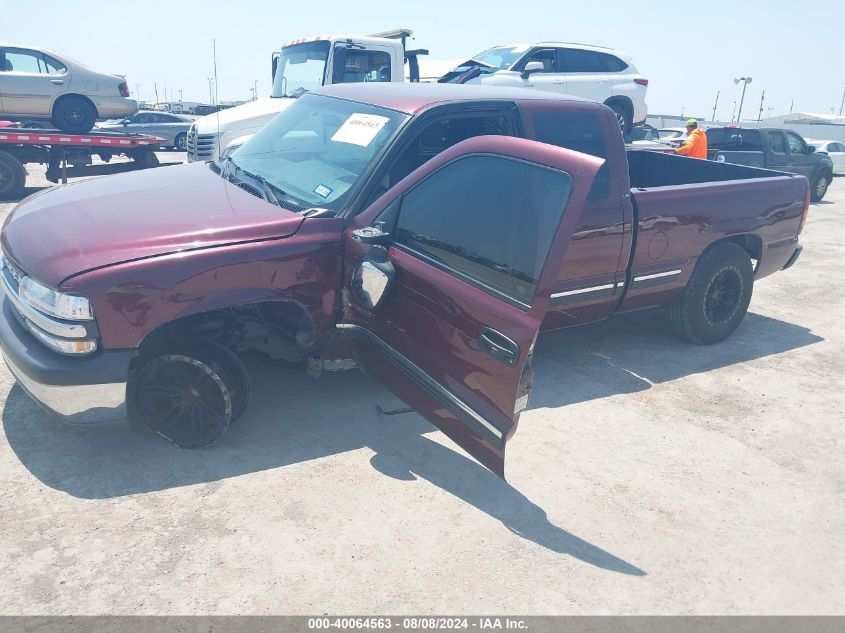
(210, 90)
(180, 95)
(842, 104)
(138, 91)
(255, 90)
(155, 86)
(745, 81)
(734, 112)
(682, 111)
(713, 118)
(760, 113)
(790, 106)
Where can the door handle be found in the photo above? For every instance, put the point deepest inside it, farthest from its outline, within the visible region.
(498, 346)
(58, 82)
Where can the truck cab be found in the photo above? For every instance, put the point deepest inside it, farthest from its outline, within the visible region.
(300, 66)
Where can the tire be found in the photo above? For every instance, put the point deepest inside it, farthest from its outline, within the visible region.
(819, 186)
(189, 394)
(716, 297)
(180, 143)
(623, 116)
(74, 114)
(12, 177)
(146, 158)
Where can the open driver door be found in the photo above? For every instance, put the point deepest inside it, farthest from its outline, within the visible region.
(448, 275)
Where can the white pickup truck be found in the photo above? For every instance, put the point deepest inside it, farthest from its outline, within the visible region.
(302, 65)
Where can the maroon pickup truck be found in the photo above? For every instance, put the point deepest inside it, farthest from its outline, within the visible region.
(425, 233)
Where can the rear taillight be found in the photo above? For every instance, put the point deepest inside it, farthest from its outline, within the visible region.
(806, 210)
(641, 82)
(124, 89)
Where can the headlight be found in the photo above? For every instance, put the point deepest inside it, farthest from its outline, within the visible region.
(57, 304)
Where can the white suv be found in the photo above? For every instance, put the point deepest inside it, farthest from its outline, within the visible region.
(592, 72)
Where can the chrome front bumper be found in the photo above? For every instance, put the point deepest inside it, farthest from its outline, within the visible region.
(85, 390)
(76, 404)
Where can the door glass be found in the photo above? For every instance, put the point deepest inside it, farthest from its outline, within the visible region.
(776, 142)
(612, 63)
(796, 144)
(362, 66)
(437, 137)
(54, 66)
(547, 56)
(24, 61)
(497, 235)
(581, 61)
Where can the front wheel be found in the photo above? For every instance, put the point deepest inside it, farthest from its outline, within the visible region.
(716, 297)
(190, 394)
(820, 186)
(181, 143)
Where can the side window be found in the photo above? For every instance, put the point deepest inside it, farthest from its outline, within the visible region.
(437, 136)
(836, 147)
(546, 56)
(581, 61)
(796, 144)
(143, 118)
(20, 60)
(776, 143)
(579, 132)
(740, 139)
(54, 66)
(612, 63)
(488, 219)
(715, 136)
(362, 66)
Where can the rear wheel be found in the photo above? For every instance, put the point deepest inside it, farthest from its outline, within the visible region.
(716, 297)
(623, 116)
(12, 176)
(820, 185)
(146, 158)
(181, 142)
(74, 114)
(190, 394)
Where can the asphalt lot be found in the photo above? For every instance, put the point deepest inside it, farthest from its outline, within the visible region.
(647, 477)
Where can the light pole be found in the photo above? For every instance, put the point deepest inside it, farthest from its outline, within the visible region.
(733, 114)
(713, 118)
(842, 104)
(745, 81)
(180, 95)
(210, 90)
(255, 90)
(760, 113)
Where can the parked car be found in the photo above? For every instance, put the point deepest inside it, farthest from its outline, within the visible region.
(403, 228)
(40, 84)
(673, 135)
(835, 150)
(592, 72)
(774, 148)
(173, 128)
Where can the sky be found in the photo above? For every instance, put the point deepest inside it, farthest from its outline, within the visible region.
(688, 51)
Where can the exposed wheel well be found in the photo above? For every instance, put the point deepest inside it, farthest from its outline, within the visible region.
(625, 102)
(65, 97)
(751, 244)
(281, 329)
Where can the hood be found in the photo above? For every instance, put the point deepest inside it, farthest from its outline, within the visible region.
(74, 228)
(240, 115)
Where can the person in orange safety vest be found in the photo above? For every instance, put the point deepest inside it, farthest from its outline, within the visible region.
(696, 145)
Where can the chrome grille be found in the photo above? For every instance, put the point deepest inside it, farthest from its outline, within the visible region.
(200, 146)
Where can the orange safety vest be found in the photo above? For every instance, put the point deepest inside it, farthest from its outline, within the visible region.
(696, 145)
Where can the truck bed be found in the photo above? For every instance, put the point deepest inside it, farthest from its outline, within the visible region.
(649, 169)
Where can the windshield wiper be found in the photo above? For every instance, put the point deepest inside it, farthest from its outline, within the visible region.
(272, 192)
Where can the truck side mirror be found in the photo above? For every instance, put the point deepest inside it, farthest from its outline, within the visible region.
(372, 236)
(811, 149)
(339, 65)
(373, 278)
(274, 64)
(532, 67)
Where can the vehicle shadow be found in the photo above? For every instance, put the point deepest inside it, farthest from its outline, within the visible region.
(631, 353)
(314, 419)
(294, 419)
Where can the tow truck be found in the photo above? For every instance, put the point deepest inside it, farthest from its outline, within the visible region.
(65, 154)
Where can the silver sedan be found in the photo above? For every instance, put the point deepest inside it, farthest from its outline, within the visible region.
(173, 128)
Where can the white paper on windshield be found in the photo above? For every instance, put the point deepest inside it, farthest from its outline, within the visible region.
(360, 129)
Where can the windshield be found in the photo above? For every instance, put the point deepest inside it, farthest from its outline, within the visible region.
(669, 133)
(301, 68)
(316, 150)
(501, 57)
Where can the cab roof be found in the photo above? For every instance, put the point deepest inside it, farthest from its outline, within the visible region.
(413, 97)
